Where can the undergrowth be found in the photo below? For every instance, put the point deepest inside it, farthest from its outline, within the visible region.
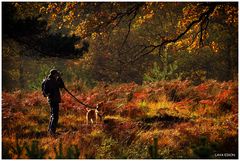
(173, 119)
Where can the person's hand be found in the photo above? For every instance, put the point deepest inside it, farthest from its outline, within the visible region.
(60, 82)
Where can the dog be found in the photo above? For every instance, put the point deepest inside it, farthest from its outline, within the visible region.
(94, 115)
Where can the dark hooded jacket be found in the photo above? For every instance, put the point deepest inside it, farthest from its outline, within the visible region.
(52, 87)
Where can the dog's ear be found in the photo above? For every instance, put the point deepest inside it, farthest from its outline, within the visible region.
(97, 106)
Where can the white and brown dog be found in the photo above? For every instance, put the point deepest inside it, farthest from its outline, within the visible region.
(94, 116)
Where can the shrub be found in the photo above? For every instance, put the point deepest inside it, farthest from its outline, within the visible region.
(34, 151)
(18, 149)
(73, 152)
(5, 152)
(33, 99)
(203, 150)
(131, 110)
(153, 149)
(158, 73)
(137, 150)
(110, 149)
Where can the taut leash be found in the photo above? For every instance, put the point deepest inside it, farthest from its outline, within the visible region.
(88, 106)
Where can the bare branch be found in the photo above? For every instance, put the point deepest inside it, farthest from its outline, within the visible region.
(118, 18)
(201, 18)
(129, 28)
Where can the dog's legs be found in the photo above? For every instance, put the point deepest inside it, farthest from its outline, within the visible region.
(96, 120)
(87, 118)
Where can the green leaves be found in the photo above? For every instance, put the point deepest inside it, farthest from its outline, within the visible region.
(158, 73)
(18, 149)
(73, 152)
(34, 151)
(153, 149)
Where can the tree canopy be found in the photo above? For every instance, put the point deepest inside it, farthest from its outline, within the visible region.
(130, 41)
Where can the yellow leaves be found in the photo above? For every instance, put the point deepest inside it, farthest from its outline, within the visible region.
(179, 44)
(14, 74)
(148, 16)
(81, 29)
(194, 45)
(64, 19)
(190, 13)
(148, 135)
(71, 13)
(63, 13)
(214, 46)
(53, 16)
(67, 18)
(60, 27)
(16, 5)
(184, 22)
(42, 10)
(232, 14)
(188, 42)
(159, 107)
(94, 35)
(139, 21)
(143, 19)
(52, 6)
(148, 13)
(149, 3)
(160, 5)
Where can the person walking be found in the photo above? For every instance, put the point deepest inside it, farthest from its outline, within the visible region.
(52, 86)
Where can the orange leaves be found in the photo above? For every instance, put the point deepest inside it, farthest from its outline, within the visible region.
(10, 99)
(143, 19)
(218, 94)
(67, 101)
(120, 122)
(231, 12)
(206, 90)
(131, 110)
(140, 95)
(206, 102)
(210, 97)
(33, 99)
(190, 13)
(202, 87)
(18, 99)
(131, 100)
(224, 95)
(185, 102)
(226, 100)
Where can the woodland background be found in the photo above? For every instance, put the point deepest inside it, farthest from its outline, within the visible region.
(119, 42)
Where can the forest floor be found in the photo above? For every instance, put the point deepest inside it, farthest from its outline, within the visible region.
(168, 119)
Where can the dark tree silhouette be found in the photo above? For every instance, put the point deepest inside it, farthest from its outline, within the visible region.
(33, 34)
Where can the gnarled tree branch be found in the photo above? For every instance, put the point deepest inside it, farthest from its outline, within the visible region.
(149, 49)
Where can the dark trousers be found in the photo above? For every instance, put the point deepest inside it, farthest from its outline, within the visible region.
(54, 116)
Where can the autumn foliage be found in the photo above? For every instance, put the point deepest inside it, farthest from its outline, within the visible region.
(177, 113)
(163, 74)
